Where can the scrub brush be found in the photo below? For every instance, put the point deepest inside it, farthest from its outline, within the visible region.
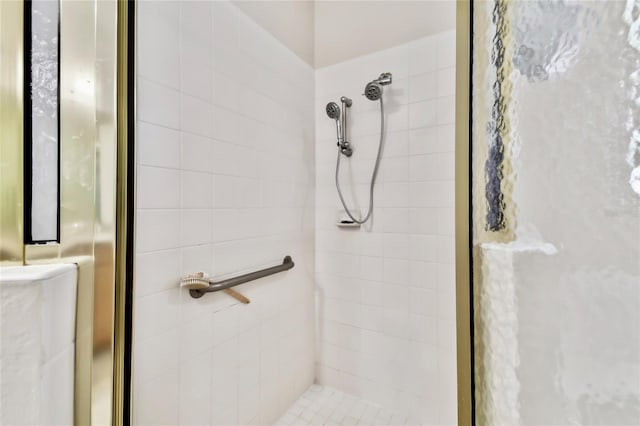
(197, 281)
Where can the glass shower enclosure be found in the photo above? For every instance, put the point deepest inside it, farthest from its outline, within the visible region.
(556, 212)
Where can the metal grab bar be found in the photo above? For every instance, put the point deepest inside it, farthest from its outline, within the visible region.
(287, 264)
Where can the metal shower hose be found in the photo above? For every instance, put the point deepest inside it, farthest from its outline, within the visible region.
(373, 176)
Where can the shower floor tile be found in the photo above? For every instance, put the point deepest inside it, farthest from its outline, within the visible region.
(322, 405)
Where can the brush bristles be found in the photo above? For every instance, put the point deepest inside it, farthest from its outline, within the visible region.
(195, 281)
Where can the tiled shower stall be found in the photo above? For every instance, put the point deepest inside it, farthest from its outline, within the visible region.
(235, 164)
(385, 293)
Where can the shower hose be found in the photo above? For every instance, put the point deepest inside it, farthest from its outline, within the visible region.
(373, 176)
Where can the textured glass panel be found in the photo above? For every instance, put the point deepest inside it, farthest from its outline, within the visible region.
(557, 283)
(44, 124)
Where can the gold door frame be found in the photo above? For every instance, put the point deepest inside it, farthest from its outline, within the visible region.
(11, 87)
(464, 324)
(125, 214)
(96, 189)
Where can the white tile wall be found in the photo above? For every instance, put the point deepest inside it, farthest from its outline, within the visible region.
(386, 293)
(225, 184)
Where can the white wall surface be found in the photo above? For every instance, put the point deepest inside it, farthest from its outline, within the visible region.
(291, 22)
(386, 292)
(225, 185)
(326, 32)
(347, 29)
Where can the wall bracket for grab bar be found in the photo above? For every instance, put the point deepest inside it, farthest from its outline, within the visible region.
(287, 264)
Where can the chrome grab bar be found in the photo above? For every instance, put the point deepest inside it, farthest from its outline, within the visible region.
(287, 264)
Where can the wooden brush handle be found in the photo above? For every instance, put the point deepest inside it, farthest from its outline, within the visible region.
(237, 296)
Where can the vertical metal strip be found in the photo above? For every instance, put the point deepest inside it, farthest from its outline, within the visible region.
(464, 306)
(124, 216)
(11, 133)
(86, 231)
(27, 133)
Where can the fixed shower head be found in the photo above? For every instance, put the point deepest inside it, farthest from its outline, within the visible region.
(333, 110)
(373, 91)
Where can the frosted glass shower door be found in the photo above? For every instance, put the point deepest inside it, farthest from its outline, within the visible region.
(556, 212)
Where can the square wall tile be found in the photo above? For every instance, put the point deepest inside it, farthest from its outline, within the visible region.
(195, 390)
(158, 104)
(158, 146)
(423, 86)
(158, 188)
(197, 116)
(196, 189)
(158, 30)
(157, 401)
(156, 271)
(422, 114)
(195, 227)
(157, 230)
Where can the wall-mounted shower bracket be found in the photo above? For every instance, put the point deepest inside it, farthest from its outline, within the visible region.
(345, 148)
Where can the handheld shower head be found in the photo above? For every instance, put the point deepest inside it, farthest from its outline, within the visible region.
(373, 91)
(333, 110)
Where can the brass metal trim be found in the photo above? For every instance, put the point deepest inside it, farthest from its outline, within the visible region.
(464, 336)
(124, 223)
(11, 132)
(88, 186)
